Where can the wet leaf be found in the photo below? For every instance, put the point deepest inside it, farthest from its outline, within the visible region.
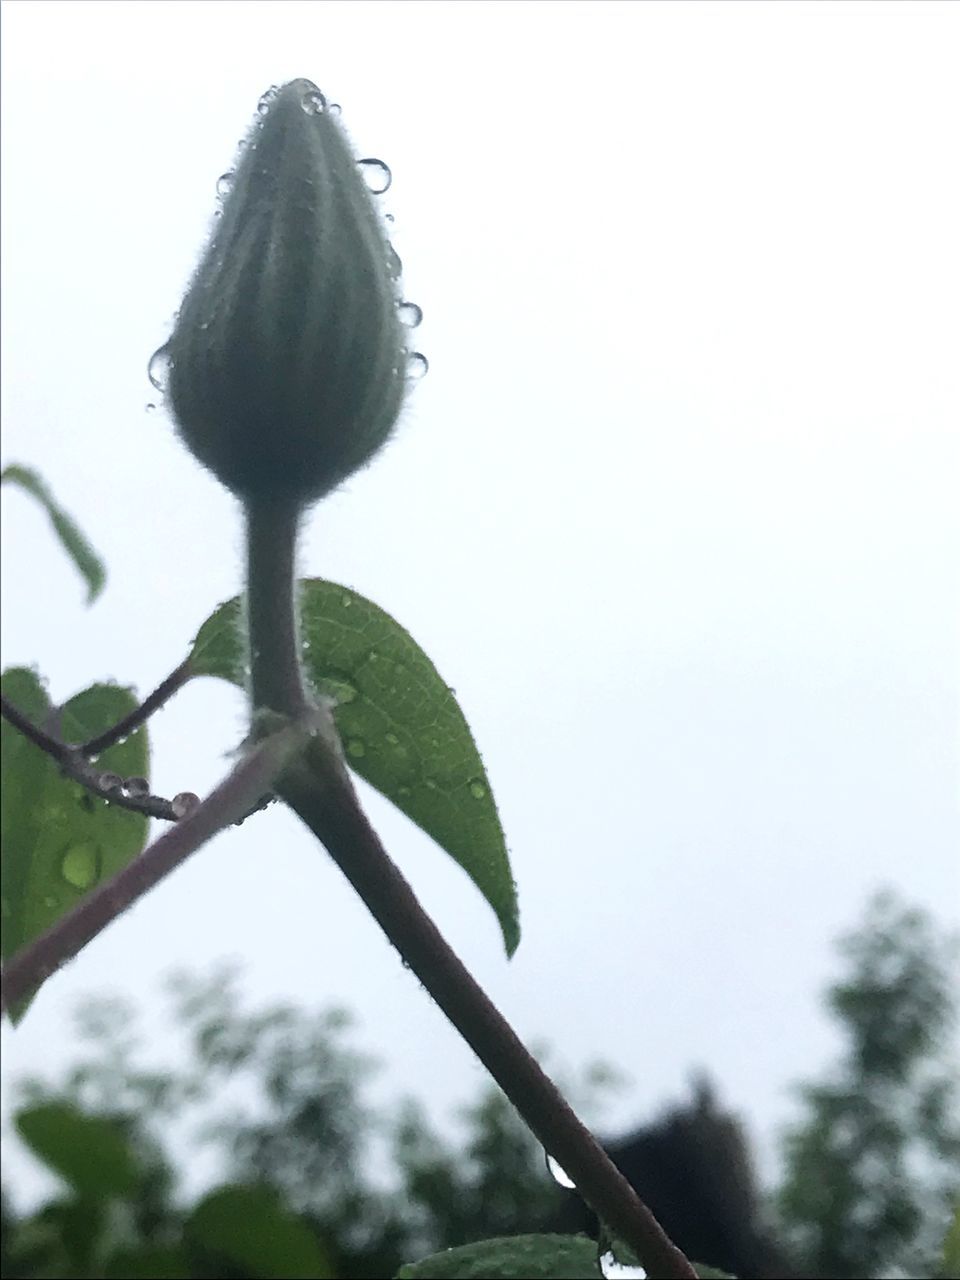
(72, 540)
(57, 840)
(401, 726)
(531, 1257)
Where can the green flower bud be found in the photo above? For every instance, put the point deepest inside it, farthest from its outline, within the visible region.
(287, 362)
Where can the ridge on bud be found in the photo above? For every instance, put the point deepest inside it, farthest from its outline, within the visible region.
(287, 359)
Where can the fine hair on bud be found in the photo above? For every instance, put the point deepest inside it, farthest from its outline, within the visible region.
(287, 360)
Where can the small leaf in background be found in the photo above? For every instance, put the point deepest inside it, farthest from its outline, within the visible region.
(89, 1152)
(71, 539)
(532, 1257)
(57, 840)
(401, 726)
(251, 1228)
(951, 1248)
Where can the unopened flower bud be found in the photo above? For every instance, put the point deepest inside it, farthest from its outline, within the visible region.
(287, 360)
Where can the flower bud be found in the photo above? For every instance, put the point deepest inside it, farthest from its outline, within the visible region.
(287, 359)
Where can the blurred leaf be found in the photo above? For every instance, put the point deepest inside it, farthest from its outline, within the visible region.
(72, 540)
(77, 1224)
(401, 726)
(57, 841)
(534, 1257)
(148, 1263)
(252, 1229)
(951, 1248)
(90, 1152)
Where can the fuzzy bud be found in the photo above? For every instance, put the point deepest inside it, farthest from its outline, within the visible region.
(287, 360)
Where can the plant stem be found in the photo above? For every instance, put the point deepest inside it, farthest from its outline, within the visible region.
(319, 790)
(240, 790)
(276, 679)
(153, 702)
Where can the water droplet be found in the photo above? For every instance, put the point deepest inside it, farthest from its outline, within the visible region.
(337, 687)
(560, 1175)
(373, 656)
(151, 407)
(376, 175)
(225, 183)
(49, 902)
(393, 739)
(110, 781)
(403, 791)
(184, 802)
(158, 367)
(136, 787)
(263, 106)
(431, 783)
(313, 102)
(334, 108)
(417, 366)
(80, 865)
(346, 601)
(389, 217)
(477, 789)
(394, 265)
(356, 748)
(409, 314)
(611, 1269)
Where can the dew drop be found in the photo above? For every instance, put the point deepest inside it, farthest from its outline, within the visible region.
(183, 803)
(560, 1175)
(404, 791)
(110, 781)
(313, 102)
(611, 1269)
(389, 217)
(373, 656)
(346, 601)
(158, 367)
(49, 902)
(376, 175)
(477, 789)
(393, 739)
(431, 783)
(417, 366)
(356, 748)
(409, 314)
(263, 106)
(334, 108)
(80, 865)
(136, 787)
(394, 265)
(225, 183)
(337, 687)
(151, 407)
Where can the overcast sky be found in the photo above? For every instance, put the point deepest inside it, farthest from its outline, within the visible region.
(674, 509)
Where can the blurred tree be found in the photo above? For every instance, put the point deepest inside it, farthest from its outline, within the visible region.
(872, 1169)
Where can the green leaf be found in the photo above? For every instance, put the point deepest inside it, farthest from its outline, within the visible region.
(150, 1262)
(249, 1227)
(57, 841)
(533, 1257)
(90, 1152)
(401, 726)
(951, 1248)
(72, 540)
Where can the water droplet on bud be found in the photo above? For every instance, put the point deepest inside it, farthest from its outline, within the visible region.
(184, 802)
(110, 781)
(263, 106)
(224, 184)
(409, 314)
(313, 102)
(136, 787)
(376, 175)
(158, 367)
(417, 366)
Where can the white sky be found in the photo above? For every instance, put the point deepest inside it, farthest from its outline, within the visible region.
(674, 509)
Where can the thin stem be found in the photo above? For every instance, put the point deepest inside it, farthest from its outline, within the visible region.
(276, 680)
(75, 766)
(252, 777)
(319, 790)
(123, 728)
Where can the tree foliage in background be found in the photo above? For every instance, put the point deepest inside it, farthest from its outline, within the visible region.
(316, 1181)
(872, 1169)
